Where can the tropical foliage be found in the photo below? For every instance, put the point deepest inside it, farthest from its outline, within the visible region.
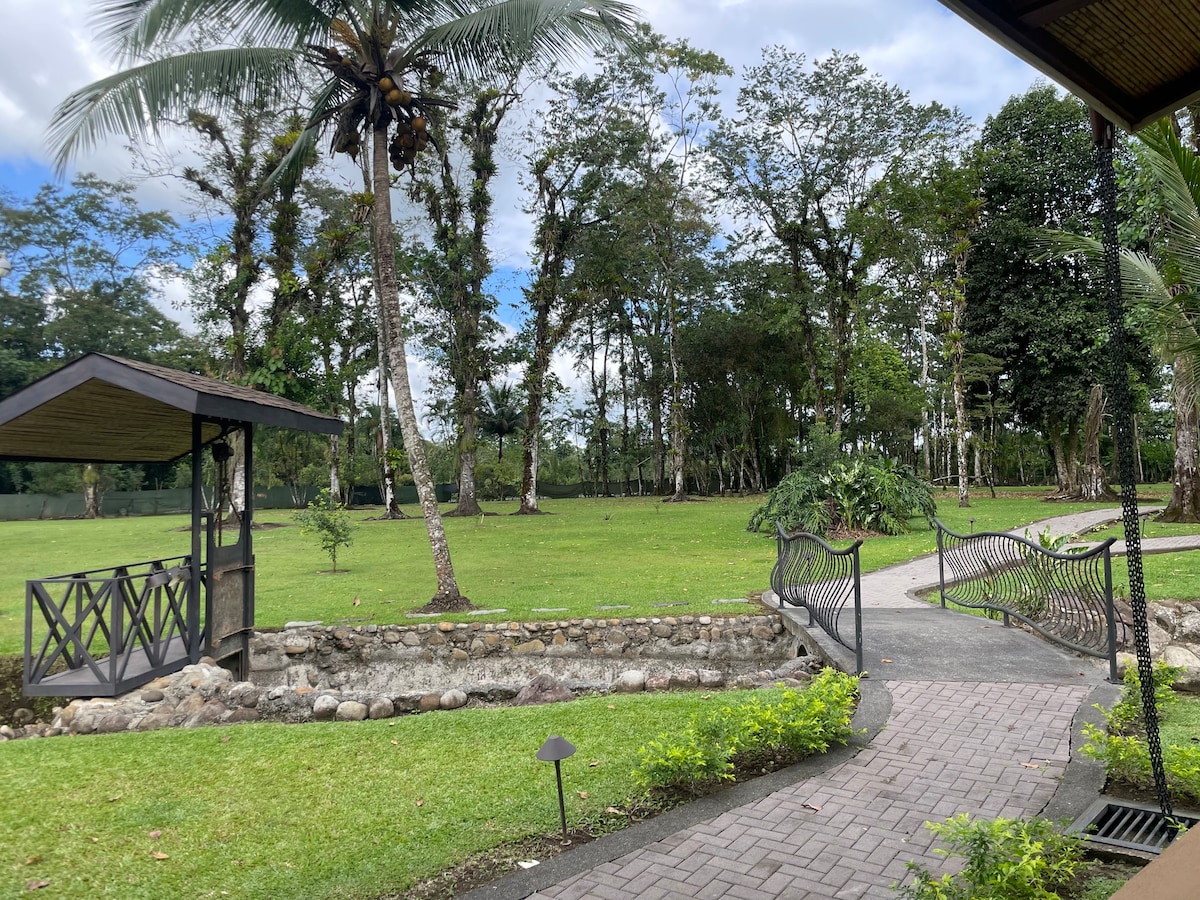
(863, 493)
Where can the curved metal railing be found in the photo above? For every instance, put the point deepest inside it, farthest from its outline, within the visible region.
(1065, 597)
(810, 573)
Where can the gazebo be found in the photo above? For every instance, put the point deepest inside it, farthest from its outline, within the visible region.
(103, 632)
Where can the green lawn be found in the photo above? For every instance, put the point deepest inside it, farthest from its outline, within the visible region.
(365, 809)
(634, 552)
(1182, 724)
(310, 811)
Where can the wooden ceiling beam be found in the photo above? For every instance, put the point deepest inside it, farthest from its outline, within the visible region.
(1041, 14)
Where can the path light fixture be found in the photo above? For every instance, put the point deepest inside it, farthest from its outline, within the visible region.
(555, 750)
(972, 521)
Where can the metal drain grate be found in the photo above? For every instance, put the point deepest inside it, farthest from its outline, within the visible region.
(1130, 826)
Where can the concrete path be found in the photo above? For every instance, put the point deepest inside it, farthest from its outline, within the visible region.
(972, 717)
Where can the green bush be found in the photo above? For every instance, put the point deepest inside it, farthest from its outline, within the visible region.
(1126, 715)
(860, 493)
(718, 741)
(330, 522)
(1122, 745)
(1006, 859)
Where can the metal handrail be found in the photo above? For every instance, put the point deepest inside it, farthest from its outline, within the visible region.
(1065, 597)
(810, 573)
(102, 623)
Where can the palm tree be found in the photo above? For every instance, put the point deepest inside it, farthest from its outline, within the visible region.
(502, 415)
(1165, 291)
(381, 60)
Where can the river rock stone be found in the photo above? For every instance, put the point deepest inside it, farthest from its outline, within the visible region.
(1188, 629)
(351, 711)
(542, 689)
(658, 682)
(429, 702)
(685, 680)
(453, 699)
(631, 681)
(710, 678)
(381, 708)
(209, 714)
(325, 707)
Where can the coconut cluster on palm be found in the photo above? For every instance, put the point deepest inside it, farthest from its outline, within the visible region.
(376, 95)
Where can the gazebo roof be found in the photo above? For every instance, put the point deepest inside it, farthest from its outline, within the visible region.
(1132, 60)
(103, 408)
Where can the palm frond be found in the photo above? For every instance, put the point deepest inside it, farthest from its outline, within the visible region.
(1176, 169)
(1170, 317)
(137, 101)
(291, 167)
(131, 27)
(470, 38)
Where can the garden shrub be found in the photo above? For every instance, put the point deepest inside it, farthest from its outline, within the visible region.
(1122, 745)
(1006, 859)
(718, 741)
(860, 493)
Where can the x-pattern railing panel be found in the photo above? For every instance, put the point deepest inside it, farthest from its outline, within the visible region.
(102, 619)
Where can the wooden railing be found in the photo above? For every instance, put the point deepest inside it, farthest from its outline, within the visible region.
(107, 630)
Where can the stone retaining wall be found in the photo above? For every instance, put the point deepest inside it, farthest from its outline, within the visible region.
(426, 656)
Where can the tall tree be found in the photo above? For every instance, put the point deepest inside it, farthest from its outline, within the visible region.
(579, 141)
(455, 191)
(87, 263)
(380, 76)
(801, 162)
(1041, 318)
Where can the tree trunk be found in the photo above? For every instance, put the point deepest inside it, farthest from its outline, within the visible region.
(91, 492)
(1063, 452)
(678, 431)
(1185, 478)
(237, 486)
(960, 429)
(387, 468)
(927, 411)
(468, 445)
(335, 482)
(1094, 485)
(534, 385)
(391, 504)
(448, 598)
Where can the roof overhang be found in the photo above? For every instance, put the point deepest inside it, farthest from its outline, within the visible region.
(1135, 61)
(105, 409)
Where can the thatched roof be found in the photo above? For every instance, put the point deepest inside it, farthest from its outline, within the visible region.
(1132, 60)
(106, 409)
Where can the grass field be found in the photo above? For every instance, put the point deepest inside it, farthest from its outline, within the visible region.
(637, 552)
(368, 809)
(323, 810)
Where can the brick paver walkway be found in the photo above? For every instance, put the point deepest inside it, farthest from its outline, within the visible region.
(948, 747)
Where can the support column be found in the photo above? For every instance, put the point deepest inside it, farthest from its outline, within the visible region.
(194, 589)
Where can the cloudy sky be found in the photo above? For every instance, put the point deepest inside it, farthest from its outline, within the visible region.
(916, 44)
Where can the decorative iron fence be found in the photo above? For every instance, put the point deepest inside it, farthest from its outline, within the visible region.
(1065, 597)
(811, 574)
(107, 630)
